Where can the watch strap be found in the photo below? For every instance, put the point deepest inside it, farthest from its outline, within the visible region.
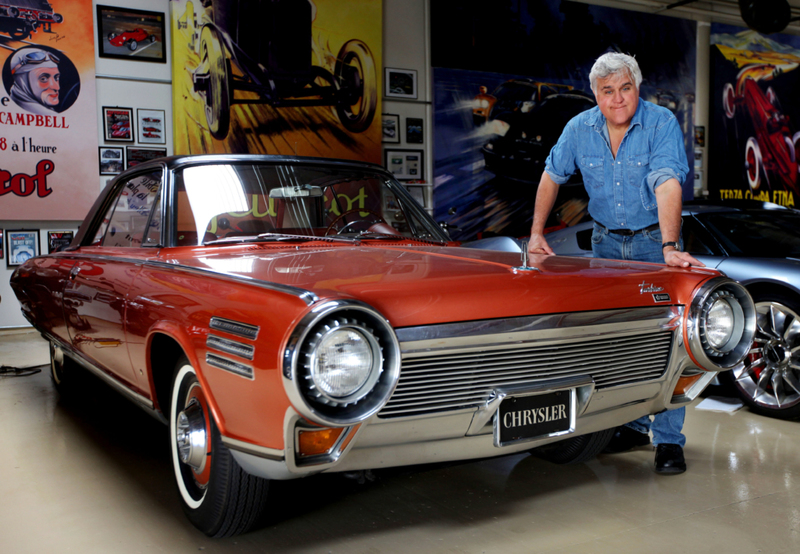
(673, 244)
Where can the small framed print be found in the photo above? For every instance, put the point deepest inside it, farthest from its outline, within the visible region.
(112, 160)
(22, 245)
(2, 245)
(405, 165)
(391, 128)
(128, 34)
(58, 240)
(400, 83)
(413, 130)
(117, 124)
(138, 155)
(150, 126)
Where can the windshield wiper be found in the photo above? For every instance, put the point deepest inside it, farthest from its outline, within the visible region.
(280, 237)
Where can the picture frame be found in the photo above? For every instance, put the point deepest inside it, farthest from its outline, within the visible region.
(414, 130)
(2, 245)
(21, 245)
(391, 128)
(57, 240)
(405, 165)
(136, 155)
(400, 83)
(129, 34)
(112, 160)
(117, 124)
(151, 126)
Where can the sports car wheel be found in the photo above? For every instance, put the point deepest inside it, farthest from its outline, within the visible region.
(576, 449)
(133, 45)
(769, 381)
(217, 495)
(62, 369)
(111, 35)
(358, 90)
(752, 163)
(214, 64)
(728, 100)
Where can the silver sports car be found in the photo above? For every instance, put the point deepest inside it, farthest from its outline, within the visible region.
(759, 247)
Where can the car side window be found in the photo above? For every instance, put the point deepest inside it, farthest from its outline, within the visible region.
(696, 240)
(131, 221)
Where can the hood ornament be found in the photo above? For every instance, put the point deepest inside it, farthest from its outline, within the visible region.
(525, 266)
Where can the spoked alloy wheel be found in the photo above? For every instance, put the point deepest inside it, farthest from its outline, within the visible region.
(355, 73)
(214, 63)
(769, 382)
(217, 495)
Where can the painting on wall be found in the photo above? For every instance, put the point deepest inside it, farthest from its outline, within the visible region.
(313, 89)
(128, 34)
(496, 116)
(755, 116)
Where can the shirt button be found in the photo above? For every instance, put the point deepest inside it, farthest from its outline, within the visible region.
(619, 204)
(617, 183)
(619, 163)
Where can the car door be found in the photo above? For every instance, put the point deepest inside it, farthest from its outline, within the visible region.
(95, 296)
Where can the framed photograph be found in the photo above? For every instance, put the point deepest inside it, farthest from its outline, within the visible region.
(405, 165)
(2, 245)
(21, 245)
(138, 155)
(400, 83)
(117, 124)
(391, 128)
(112, 160)
(128, 34)
(151, 126)
(58, 240)
(413, 130)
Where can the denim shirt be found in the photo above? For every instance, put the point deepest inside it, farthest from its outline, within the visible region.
(622, 190)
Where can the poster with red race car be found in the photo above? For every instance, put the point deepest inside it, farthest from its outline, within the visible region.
(48, 111)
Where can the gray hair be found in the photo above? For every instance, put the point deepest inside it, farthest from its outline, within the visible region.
(612, 63)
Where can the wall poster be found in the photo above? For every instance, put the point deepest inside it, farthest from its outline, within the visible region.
(48, 112)
(313, 89)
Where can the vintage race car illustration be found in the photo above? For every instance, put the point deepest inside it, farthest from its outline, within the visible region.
(287, 316)
(131, 39)
(20, 18)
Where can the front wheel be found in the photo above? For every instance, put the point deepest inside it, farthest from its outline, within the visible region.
(576, 449)
(358, 90)
(133, 45)
(729, 100)
(753, 163)
(62, 369)
(217, 495)
(214, 65)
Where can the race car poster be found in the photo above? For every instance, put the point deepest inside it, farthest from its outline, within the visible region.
(755, 116)
(48, 118)
(291, 77)
(507, 79)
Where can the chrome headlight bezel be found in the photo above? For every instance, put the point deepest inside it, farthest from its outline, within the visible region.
(301, 355)
(727, 355)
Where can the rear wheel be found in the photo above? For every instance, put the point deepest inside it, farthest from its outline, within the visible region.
(576, 449)
(214, 64)
(753, 163)
(217, 495)
(358, 89)
(729, 100)
(133, 45)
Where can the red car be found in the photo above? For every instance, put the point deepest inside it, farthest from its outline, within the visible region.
(131, 38)
(288, 316)
(152, 129)
(152, 135)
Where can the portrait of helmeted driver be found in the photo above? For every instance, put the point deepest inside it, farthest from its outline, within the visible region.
(36, 80)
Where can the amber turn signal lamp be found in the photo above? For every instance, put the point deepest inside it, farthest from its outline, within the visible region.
(315, 442)
(685, 383)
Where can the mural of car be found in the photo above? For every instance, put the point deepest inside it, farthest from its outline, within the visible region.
(758, 245)
(287, 316)
(770, 150)
(131, 39)
(227, 38)
(20, 18)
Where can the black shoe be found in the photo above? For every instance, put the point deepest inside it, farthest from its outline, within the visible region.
(625, 439)
(669, 459)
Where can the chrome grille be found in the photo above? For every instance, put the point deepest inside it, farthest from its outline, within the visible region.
(436, 380)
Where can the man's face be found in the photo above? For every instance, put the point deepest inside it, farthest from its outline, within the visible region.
(617, 97)
(45, 84)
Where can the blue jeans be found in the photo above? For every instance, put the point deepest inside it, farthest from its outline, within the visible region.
(642, 247)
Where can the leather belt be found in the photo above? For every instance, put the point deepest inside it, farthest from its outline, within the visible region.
(628, 232)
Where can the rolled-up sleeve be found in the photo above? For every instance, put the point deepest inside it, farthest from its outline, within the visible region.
(560, 163)
(668, 158)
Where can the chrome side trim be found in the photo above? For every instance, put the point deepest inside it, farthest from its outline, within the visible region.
(225, 364)
(254, 449)
(245, 351)
(238, 328)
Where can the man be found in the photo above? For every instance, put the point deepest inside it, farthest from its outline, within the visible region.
(37, 80)
(631, 155)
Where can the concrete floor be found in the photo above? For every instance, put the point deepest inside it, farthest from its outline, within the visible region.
(91, 473)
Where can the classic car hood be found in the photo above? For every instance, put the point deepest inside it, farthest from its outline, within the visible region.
(414, 285)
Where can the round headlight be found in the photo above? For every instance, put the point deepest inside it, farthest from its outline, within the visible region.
(719, 323)
(341, 363)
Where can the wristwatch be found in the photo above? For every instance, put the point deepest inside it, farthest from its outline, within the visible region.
(673, 244)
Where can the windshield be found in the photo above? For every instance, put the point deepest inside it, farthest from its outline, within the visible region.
(282, 201)
(757, 233)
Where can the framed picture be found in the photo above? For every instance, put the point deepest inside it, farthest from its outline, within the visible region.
(2, 245)
(151, 126)
(21, 245)
(112, 160)
(405, 165)
(138, 155)
(58, 240)
(128, 34)
(391, 128)
(400, 83)
(413, 130)
(117, 124)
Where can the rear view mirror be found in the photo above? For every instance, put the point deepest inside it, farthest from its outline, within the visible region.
(302, 191)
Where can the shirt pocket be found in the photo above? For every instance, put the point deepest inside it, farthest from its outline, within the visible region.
(638, 169)
(592, 170)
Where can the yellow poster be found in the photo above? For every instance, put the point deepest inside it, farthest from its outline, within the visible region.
(292, 77)
(48, 110)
